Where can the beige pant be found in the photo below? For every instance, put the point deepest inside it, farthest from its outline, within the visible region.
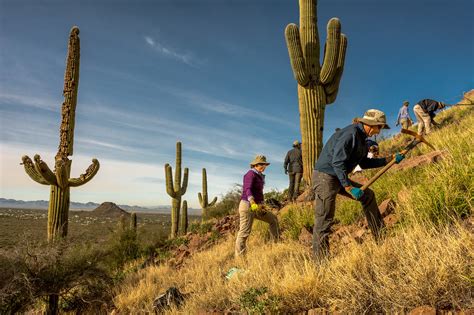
(405, 122)
(423, 118)
(246, 220)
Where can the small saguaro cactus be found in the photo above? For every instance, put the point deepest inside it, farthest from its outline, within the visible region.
(203, 198)
(58, 179)
(176, 190)
(133, 222)
(183, 220)
(317, 85)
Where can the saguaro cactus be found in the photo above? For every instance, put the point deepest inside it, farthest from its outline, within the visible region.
(317, 86)
(59, 180)
(183, 220)
(203, 199)
(133, 222)
(177, 190)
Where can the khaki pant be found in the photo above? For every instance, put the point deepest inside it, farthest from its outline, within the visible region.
(294, 187)
(405, 122)
(424, 120)
(246, 220)
(326, 187)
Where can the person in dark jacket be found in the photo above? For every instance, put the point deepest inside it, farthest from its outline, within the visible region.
(251, 205)
(425, 112)
(294, 169)
(343, 151)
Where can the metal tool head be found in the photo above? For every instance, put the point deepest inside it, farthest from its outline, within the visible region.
(417, 137)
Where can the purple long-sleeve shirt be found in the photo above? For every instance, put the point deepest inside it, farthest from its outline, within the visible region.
(253, 186)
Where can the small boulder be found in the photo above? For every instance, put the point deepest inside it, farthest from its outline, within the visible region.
(359, 235)
(305, 238)
(386, 207)
(423, 310)
(390, 220)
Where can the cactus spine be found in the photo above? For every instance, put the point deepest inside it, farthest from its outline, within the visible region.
(59, 180)
(176, 190)
(317, 86)
(183, 220)
(203, 198)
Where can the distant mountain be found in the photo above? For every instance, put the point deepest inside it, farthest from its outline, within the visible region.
(109, 209)
(43, 204)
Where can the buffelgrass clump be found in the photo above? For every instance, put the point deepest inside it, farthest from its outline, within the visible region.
(294, 219)
(421, 265)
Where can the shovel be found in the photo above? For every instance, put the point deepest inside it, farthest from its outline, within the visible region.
(417, 139)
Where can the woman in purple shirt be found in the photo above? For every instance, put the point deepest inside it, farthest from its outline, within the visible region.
(251, 204)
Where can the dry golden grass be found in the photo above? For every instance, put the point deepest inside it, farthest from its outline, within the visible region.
(418, 266)
(428, 260)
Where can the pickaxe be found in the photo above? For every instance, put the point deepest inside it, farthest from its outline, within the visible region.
(418, 139)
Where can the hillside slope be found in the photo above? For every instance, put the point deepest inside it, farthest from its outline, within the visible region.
(427, 259)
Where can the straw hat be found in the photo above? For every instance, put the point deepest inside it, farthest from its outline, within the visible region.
(374, 117)
(259, 159)
(296, 142)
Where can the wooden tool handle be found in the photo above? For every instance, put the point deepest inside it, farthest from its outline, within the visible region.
(379, 173)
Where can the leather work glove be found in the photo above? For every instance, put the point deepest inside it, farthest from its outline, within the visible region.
(357, 193)
(399, 157)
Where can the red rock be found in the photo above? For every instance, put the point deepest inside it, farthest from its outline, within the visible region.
(423, 310)
(386, 207)
(305, 238)
(359, 235)
(390, 220)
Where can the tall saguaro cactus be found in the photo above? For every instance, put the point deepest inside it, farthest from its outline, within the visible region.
(203, 198)
(59, 179)
(317, 85)
(176, 190)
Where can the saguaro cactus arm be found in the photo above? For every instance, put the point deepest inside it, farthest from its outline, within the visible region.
(91, 171)
(169, 181)
(292, 35)
(43, 170)
(332, 88)
(331, 54)
(32, 172)
(184, 186)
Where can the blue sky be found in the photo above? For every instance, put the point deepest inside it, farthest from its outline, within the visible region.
(213, 74)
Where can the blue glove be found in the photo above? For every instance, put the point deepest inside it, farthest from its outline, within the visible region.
(399, 157)
(357, 193)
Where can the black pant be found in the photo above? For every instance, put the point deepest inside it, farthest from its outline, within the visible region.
(326, 187)
(294, 188)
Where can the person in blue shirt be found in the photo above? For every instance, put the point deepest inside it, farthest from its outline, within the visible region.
(404, 118)
(343, 151)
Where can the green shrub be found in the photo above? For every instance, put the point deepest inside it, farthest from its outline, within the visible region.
(294, 219)
(75, 273)
(226, 204)
(259, 301)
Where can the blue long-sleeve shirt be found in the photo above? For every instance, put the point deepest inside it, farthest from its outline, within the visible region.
(343, 151)
(403, 113)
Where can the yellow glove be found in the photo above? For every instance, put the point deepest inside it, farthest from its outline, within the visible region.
(254, 207)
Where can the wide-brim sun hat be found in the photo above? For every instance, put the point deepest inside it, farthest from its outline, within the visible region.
(259, 159)
(374, 117)
(296, 142)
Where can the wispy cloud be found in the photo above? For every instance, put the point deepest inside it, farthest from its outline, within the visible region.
(49, 104)
(184, 57)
